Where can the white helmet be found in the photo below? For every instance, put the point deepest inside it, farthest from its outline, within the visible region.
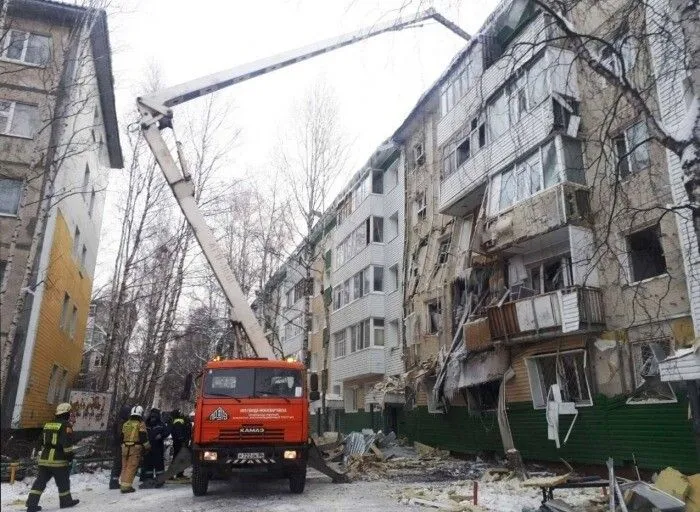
(63, 408)
(137, 410)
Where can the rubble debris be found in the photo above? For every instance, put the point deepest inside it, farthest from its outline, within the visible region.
(693, 501)
(641, 496)
(428, 451)
(546, 481)
(673, 482)
(494, 474)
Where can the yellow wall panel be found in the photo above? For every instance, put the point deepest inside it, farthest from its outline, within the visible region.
(54, 345)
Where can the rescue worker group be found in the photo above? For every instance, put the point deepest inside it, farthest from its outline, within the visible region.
(136, 443)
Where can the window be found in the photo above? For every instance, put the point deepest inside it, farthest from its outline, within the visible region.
(393, 278)
(522, 181)
(357, 286)
(393, 227)
(498, 116)
(339, 343)
(418, 154)
(518, 99)
(378, 283)
(484, 397)
(377, 182)
(567, 369)
(97, 363)
(378, 332)
(550, 275)
(73, 322)
(3, 266)
(463, 152)
(83, 257)
(434, 317)
(444, 250)
(10, 192)
(18, 119)
(62, 387)
(76, 242)
(65, 310)
(28, 48)
(378, 229)
(53, 384)
(420, 206)
(86, 179)
(646, 255)
(351, 398)
(393, 337)
(646, 356)
(91, 205)
(632, 151)
(448, 161)
(293, 328)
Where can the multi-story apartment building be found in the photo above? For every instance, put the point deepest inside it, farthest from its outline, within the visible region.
(58, 140)
(365, 324)
(575, 284)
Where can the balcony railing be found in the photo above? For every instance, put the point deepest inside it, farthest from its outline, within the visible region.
(570, 310)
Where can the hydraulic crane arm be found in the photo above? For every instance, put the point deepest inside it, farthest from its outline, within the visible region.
(156, 114)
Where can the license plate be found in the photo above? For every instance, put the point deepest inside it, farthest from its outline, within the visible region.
(251, 456)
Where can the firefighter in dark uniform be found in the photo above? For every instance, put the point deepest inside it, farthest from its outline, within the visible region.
(154, 460)
(124, 414)
(54, 460)
(180, 431)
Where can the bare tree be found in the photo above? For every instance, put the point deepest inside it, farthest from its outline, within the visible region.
(311, 159)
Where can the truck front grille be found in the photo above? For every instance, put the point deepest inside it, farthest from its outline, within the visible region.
(270, 434)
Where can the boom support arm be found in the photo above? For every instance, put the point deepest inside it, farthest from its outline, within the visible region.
(156, 114)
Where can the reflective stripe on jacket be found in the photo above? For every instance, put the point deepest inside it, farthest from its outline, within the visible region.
(134, 432)
(57, 444)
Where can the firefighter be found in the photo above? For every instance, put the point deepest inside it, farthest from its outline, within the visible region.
(180, 432)
(134, 441)
(153, 462)
(54, 460)
(124, 413)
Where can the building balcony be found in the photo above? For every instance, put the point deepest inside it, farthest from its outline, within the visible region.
(461, 192)
(542, 213)
(363, 363)
(573, 310)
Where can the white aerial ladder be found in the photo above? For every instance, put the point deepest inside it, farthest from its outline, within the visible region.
(156, 114)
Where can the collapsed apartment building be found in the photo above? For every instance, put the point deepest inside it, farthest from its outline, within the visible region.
(542, 275)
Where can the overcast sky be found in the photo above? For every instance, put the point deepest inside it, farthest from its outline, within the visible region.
(377, 82)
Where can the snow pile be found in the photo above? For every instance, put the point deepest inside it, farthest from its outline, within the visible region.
(500, 496)
(16, 494)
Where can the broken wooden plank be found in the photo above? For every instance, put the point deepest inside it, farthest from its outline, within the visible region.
(376, 451)
(546, 481)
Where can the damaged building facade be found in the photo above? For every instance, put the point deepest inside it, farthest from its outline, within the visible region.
(542, 274)
(552, 251)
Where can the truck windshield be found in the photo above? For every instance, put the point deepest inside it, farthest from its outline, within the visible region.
(253, 382)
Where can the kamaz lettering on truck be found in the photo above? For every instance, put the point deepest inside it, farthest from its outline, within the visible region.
(251, 417)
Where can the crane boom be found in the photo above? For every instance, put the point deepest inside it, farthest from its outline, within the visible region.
(156, 114)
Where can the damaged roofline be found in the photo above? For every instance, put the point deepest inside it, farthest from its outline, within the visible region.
(399, 136)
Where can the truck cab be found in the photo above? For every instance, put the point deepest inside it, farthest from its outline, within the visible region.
(251, 417)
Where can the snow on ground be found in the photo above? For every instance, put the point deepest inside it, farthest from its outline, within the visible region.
(274, 496)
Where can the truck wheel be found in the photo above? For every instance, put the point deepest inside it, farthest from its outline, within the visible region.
(297, 481)
(200, 480)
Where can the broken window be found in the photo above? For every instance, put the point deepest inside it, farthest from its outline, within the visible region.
(646, 255)
(646, 357)
(420, 206)
(550, 275)
(484, 397)
(418, 154)
(377, 182)
(444, 250)
(463, 152)
(573, 160)
(65, 310)
(434, 317)
(567, 370)
(631, 150)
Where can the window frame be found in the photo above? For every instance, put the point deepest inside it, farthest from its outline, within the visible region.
(636, 357)
(10, 119)
(437, 303)
(25, 47)
(539, 400)
(445, 244)
(630, 264)
(18, 191)
(340, 340)
(630, 162)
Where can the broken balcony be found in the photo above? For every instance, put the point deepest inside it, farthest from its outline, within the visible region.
(542, 213)
(571, 310)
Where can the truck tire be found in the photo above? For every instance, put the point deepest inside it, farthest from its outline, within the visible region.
(200, 480)
(297, 481)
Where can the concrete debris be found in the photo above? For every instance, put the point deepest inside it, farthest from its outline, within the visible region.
(673, 482)
(428, 451)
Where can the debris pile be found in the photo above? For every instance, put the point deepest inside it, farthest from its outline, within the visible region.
(685, 488)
